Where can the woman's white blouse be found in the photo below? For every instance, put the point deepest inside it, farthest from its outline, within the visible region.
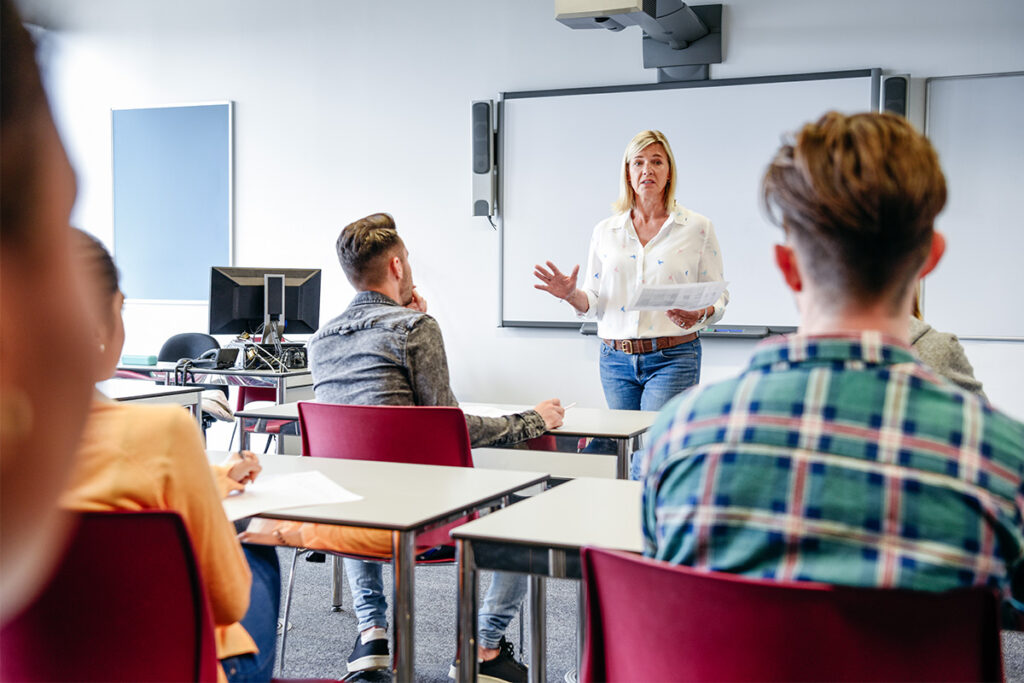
(685, 249)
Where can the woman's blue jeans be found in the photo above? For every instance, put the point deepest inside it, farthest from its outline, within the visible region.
(645, 381)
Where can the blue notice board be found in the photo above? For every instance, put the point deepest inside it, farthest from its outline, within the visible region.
(172, 198)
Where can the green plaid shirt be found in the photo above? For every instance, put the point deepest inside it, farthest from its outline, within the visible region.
(839, 459)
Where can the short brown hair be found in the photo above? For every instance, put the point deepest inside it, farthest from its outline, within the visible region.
(858, 196)
(363, 247)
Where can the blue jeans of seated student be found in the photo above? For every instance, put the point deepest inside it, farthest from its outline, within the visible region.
(646, 381)
(504, 596)
(260, 620)
(366, 582)
(497, 610)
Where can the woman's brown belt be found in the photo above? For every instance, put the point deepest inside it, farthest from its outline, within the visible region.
(649, 344)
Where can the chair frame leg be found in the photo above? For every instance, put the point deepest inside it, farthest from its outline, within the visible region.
(287, 610)
(523, 612)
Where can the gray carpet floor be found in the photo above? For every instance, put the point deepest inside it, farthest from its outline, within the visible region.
(320, 640)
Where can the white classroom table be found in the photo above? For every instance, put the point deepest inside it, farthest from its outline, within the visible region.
(558, 465)
(623, 426)
(134, 391)
(291, 385)
(558, 522)
(406, 500)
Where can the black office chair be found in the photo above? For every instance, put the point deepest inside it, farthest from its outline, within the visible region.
(186, 345)
(192, 345)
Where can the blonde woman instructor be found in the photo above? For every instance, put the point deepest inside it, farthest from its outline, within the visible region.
(647, 356)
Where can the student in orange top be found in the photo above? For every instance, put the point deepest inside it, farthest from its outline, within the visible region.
(151, 457)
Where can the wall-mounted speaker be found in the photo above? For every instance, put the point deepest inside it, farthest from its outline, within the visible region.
(484, 172)
(896, 94)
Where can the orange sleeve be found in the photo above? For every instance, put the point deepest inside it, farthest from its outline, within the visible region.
(192, 491)
(341, 539)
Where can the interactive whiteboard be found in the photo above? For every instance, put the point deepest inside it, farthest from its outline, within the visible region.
(560, 159)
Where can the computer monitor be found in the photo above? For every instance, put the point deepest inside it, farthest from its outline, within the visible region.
(271, 300)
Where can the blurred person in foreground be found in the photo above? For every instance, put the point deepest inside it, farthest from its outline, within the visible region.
(45, 379)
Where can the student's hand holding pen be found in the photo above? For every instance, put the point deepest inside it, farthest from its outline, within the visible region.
(552, 412)
(243, 467)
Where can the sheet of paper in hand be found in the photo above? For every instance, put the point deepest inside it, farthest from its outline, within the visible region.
(688, 297)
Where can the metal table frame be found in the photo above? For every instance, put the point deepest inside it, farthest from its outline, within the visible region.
(562, 549)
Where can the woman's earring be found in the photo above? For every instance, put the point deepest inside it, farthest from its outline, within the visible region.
(103, 347)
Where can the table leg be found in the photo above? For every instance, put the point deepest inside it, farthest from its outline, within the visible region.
(404, 553)
(538, 628)
(197, 410)
(623, 464)
(280, 400)
(337, 583)
(243, 435)
(465, 657)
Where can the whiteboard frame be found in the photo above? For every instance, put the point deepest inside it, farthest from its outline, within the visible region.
(876, 79)
(927, 117)
(231, 187)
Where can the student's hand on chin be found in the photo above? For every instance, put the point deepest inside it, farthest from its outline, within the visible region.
(418, 303)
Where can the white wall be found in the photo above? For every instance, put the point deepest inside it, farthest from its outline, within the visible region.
(344, 108)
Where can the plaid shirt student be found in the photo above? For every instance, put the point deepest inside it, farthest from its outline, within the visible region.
(839, 459)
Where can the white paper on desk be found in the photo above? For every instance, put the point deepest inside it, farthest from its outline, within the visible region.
(484, 410)
(280, 491)
(688, 297)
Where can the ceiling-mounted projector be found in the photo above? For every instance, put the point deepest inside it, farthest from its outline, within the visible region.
(675, 34)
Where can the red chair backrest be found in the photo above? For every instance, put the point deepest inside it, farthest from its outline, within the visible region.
(651, 621)
(126, 604)
(423, 435)
(247, 395)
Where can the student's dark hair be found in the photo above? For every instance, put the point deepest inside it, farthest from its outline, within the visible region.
(101, 264)
(857, 196)
(23, 110)
(364, 247)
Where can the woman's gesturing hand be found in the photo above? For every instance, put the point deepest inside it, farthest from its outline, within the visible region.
(555, 282)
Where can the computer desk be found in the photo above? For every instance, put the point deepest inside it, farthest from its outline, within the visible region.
(291, 385)
(134, 391)
(406, 500)
(552, 527)
(623, 426)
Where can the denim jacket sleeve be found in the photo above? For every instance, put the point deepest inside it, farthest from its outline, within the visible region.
(427, 364)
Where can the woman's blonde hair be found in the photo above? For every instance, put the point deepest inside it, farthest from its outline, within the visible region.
(640, 142)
